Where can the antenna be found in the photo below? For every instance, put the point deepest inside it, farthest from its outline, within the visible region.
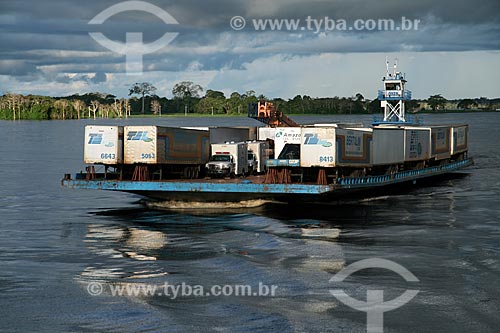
(395, 65)
(387, 66)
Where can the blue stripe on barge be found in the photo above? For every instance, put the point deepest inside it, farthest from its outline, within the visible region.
(220, 190)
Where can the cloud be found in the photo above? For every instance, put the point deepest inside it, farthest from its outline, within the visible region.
(47, 43)
(99, 77)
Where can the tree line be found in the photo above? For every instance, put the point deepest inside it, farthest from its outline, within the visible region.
(189, 97)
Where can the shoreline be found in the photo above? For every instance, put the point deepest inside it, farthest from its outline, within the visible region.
(202, 115)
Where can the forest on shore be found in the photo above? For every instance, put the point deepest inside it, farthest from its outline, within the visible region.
(190, 98)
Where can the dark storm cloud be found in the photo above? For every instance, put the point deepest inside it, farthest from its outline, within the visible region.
(35, 35)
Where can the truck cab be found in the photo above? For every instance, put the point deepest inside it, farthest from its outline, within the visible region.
(228, 160)
(220, 165)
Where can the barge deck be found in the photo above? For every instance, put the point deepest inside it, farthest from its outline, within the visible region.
(254, 188)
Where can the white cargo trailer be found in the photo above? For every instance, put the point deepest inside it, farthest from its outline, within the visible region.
(417, 143)
(317, 148)
(166, 145)
(459, 138)
(285, 135)
(440, 142)
(388, 145)
(259, 149)
(354, 146)
(335, 147)
(103, 145)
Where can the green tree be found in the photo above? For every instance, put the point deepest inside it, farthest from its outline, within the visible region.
(467, 104)
(214, 94)
(143, 89)
(186, 91)
(436, 102)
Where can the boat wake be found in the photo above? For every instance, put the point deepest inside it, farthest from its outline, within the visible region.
(182, 205)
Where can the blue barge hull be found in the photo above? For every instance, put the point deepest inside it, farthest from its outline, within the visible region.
(244, 189)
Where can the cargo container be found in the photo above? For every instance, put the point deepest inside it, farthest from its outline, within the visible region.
(318, 147)
(285, 135)
(166, 145)
(388, 145)
(335, 147)
(103, 145)
(460, 139)
(440, 142)
(229, 134)
(259, 149)
(417, 143)
(354, 147)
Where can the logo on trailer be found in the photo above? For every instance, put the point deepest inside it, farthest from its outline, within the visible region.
(138, 136)
(95, 138)
(312, 139)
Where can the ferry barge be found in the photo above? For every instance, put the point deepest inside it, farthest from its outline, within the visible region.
(289, 163)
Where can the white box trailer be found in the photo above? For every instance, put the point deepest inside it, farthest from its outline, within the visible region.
(417, 143)
(318, 147)
(239, 153)
(388, 145)
(165, 145)
(103, 145)
(260, 150)
(440, 141)
(335, 147)
(285, 135)
(354, 146)
(459, 139)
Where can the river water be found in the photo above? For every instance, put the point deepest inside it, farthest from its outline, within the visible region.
(62, 251)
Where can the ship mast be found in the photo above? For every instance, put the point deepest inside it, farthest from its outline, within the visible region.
(393, 97)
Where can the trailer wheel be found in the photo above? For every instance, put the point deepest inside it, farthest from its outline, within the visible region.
(191, 173)
(188, 173)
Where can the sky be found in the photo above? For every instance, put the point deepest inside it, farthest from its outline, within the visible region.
(65, 47)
